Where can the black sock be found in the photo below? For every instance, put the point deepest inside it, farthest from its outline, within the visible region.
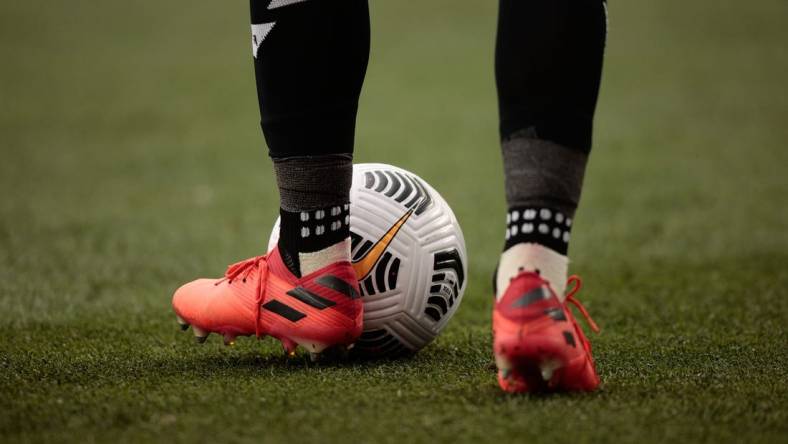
(540, 173)
(314, 201)
(539, 225)
(543, 184)
(310, 231)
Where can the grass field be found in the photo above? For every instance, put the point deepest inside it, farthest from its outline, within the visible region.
(133, 161)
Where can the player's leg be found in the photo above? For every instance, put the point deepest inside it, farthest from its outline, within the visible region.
(310, 57)
(548, 67)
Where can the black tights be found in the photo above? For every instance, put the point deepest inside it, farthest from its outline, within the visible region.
(311, 57)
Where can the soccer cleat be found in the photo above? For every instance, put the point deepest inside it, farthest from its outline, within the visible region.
(260, 296)
(537, 342)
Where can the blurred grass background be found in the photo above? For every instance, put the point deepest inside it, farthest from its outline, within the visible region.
(133, 161)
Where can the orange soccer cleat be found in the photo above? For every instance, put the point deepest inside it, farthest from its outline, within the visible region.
(538, 345)
(260, 296)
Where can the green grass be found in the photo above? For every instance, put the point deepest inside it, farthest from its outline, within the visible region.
(133, 161)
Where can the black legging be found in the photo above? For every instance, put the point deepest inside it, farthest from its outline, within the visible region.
(311, 57)
(548, 63)
(309, 68)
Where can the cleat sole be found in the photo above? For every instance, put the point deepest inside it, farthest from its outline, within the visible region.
(317, 351)
(335, 353)
(526, 374)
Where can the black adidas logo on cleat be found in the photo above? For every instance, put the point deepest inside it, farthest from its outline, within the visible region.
(535, 295)
(334, 283)
(556, 313)
(311, 298)
(284, 310)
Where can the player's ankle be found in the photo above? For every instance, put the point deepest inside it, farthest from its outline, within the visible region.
(532, 257)
(537, 240)
(314, 210)
(543, 183)
(312, 239)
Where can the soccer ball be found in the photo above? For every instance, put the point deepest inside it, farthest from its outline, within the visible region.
(409, 254)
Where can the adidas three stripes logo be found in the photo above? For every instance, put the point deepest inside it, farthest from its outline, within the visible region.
(311, 298)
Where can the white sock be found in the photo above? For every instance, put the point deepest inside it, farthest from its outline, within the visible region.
(316, 260)
(552, 266)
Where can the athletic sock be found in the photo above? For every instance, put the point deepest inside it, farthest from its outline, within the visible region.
(543, 184)
(314, 195)
(537, 239)
(548, 64)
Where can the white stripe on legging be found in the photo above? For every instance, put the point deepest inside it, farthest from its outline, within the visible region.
(279, 3)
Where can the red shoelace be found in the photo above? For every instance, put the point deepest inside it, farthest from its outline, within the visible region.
(243, 269)
(570, 297)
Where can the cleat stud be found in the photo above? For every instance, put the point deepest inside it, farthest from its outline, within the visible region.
(289, 347)
(182, 323)
(547, 374)
(200, 335)
(548, 368)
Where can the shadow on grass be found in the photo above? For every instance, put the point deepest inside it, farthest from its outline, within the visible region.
(100, 354)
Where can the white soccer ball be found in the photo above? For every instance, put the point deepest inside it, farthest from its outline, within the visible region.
(413, 286)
